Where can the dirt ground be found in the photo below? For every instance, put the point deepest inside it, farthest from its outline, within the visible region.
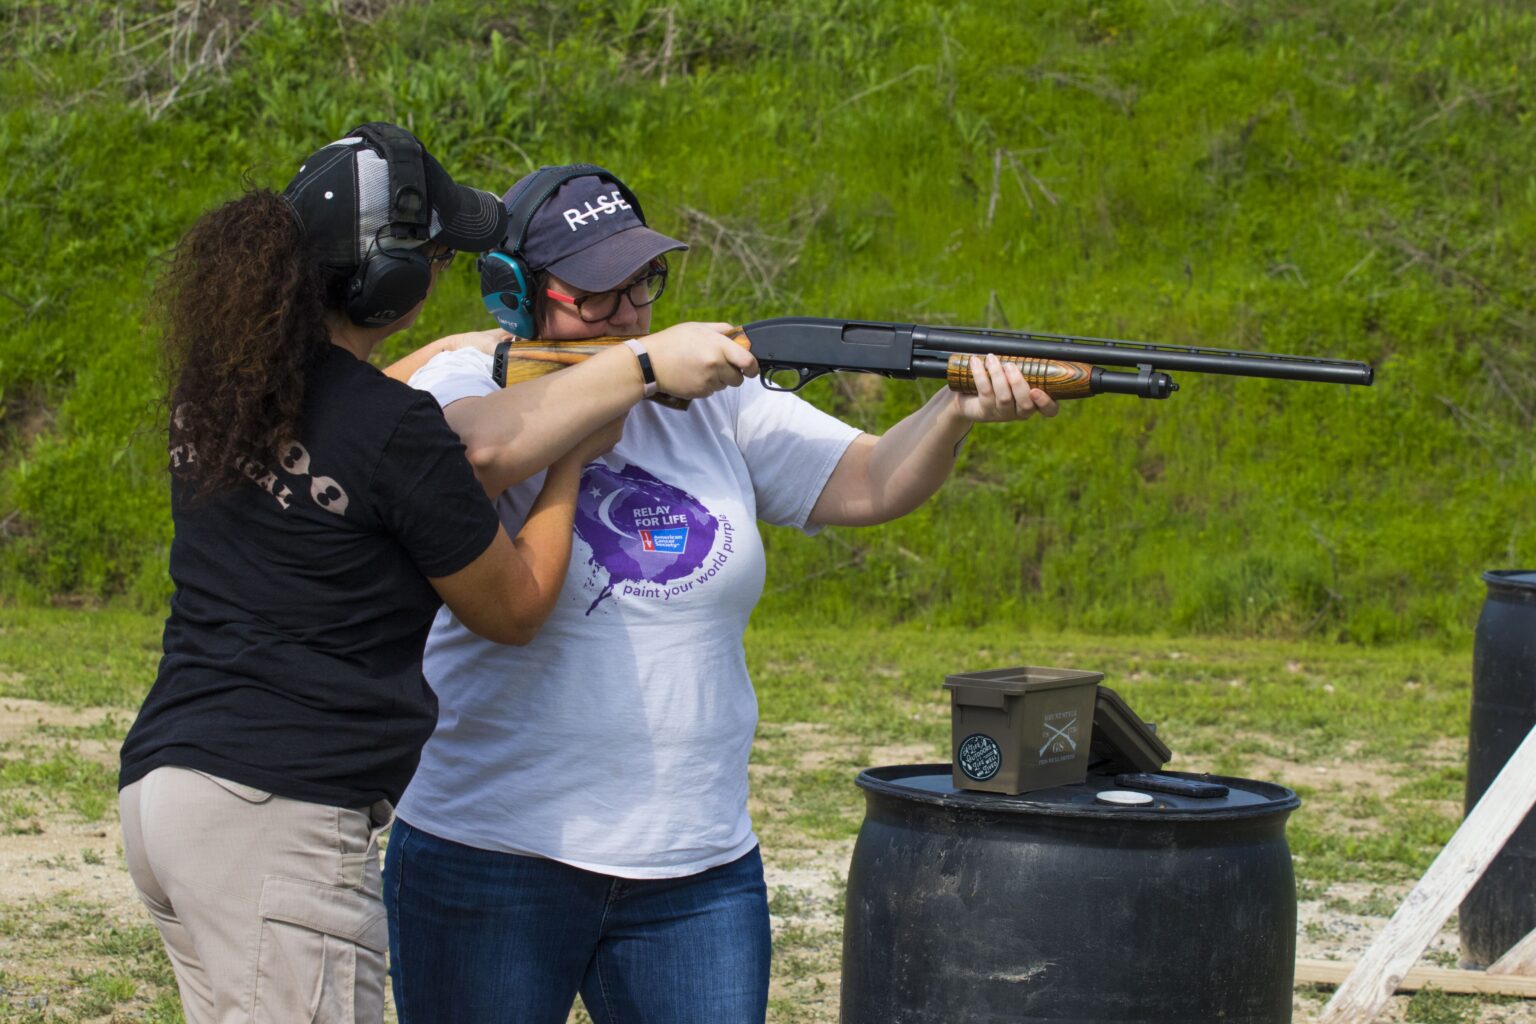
(65, 892)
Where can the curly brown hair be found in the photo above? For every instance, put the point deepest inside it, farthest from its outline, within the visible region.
(243, 301)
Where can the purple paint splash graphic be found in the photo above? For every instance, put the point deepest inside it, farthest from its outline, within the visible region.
(640, 529)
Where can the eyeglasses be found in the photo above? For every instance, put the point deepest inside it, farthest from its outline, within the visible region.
(443, 260)
(599, 306)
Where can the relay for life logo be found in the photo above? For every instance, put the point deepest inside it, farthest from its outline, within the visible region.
(650, 538)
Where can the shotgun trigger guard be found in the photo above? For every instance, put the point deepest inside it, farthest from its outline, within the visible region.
(803, 376)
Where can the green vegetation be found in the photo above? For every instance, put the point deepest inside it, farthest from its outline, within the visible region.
(114, 668)
(1348, 180)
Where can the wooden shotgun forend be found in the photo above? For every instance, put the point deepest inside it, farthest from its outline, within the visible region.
(1057, 378)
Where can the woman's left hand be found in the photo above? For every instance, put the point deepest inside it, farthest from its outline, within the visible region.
(1001, 394)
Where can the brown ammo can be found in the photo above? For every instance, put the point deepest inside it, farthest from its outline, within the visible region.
(1014, 730)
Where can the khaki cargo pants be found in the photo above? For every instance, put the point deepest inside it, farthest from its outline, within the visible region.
(270, 908)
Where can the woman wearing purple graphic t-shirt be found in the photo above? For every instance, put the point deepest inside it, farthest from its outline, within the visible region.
(579, 821)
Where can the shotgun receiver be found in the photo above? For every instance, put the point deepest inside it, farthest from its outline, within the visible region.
(792, 351)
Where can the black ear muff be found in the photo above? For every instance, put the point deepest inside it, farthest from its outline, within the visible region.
(388, 286)
(391, 281)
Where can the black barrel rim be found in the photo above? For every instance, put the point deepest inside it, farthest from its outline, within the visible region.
(1521, 582)
(1283, 800)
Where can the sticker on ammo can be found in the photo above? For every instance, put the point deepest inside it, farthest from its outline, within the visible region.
(1058, 737)
(978, 757)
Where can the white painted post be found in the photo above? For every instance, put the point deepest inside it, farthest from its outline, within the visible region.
(1453, 874)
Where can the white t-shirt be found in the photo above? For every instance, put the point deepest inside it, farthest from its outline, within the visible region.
(617, 740)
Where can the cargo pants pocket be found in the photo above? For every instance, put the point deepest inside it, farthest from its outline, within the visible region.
(320, 956)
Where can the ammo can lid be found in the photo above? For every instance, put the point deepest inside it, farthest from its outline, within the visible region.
(1120, 737)
(1022, 679)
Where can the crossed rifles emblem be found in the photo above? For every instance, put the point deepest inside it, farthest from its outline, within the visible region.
(1053, 733)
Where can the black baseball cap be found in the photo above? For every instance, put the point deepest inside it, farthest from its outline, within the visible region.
(345, 197)
(589, 234)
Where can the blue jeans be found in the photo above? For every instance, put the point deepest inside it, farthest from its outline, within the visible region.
(496, 938)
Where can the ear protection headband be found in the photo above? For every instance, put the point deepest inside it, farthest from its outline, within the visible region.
(390, 282)
(506, 278)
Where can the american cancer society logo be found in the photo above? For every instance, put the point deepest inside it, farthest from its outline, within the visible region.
(671, 542)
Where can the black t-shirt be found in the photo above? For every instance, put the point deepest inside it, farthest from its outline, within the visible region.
(293, 647)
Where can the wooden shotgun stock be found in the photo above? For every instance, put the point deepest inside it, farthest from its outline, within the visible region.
(529, 360)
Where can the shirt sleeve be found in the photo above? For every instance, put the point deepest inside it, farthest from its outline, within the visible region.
(791, 448)
(428, 496)
(450, 376)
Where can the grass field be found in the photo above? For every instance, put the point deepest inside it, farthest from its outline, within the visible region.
(1373, 740)
(1348, 180)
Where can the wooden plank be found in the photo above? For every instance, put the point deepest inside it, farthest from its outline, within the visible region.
(1519, 960)
(1331, 972)
(1490, 824)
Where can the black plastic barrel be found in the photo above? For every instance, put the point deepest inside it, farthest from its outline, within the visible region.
(1501, 909)
(1052, 907)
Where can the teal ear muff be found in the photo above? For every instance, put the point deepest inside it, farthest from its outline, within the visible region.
(507, 289)
(506, 282)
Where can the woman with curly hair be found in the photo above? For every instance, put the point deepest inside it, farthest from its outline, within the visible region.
(322, 514)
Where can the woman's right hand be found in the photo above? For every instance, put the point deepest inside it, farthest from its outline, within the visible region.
(694, 360)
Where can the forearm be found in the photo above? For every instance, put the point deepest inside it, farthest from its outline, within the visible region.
(544, 542)
(883, 478)
(508, 592)
(512, 434)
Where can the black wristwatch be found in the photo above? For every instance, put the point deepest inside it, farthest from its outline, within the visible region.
(647, 374)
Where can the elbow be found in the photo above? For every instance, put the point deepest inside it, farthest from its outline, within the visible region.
(508, 634)
(483, 458)
(520, 637)
(499, 466)
(519, 630)
(488, 462)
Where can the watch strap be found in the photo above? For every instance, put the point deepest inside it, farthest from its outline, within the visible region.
(646, 372)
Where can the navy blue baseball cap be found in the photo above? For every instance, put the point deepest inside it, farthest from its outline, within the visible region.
(588, 234)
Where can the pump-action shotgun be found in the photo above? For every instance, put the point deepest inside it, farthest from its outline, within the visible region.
(792, 351)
